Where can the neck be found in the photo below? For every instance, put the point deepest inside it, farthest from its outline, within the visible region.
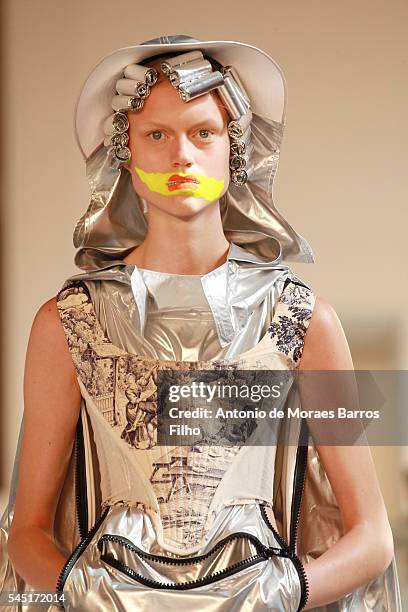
(189, 245)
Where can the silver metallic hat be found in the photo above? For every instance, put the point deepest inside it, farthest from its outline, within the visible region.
(115, 223)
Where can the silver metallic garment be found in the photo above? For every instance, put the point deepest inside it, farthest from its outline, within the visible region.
(254, 493)
(221, 500)
(185, 330)
(114, 222)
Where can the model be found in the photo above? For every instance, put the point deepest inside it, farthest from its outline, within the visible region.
(182, 252)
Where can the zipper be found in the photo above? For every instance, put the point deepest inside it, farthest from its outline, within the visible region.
(263, 554)
(297, 495)
(78, 552)
(80, 481)
(298, 487)
(81, 509)
(272, 528)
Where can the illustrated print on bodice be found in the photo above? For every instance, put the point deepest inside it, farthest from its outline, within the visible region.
(123, 386)
(292, 317)
(124, 389)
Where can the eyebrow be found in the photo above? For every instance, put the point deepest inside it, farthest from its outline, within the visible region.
(206, 120)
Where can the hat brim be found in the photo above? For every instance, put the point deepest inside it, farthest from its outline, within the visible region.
(260, 75)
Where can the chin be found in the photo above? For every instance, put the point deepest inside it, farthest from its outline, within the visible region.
(184, 205)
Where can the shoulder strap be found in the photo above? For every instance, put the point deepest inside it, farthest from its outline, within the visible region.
(84, 333)
(291, 319)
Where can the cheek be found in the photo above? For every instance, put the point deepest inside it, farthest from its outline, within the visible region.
(217, 163)
(138, 185)
(137, 155)
(227, 156)
(140, 154)
(226, 151)
(145, 161)
(224, 163)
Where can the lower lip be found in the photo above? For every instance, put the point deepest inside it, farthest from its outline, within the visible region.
(181, 185)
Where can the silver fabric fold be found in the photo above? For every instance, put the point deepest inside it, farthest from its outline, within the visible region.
(114, 222)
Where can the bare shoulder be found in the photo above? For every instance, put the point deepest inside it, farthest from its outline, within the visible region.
(325, 346)
(47, 319)
(324, 316)
(48, 339)
(47, 315)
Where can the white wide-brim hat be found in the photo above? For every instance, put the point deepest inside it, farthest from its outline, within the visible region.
(115, 223)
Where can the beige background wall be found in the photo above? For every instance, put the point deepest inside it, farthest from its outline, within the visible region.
(341, 180)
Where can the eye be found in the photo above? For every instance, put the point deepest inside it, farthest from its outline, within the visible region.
(205, 134)
(156, 135)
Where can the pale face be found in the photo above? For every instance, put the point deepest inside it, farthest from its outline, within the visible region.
(180, 151)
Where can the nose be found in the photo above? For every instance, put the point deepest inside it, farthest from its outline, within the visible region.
(181, 154)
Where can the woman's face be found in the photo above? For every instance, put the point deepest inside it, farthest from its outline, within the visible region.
(180, 150)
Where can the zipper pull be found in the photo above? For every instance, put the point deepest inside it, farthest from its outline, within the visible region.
(281, 552)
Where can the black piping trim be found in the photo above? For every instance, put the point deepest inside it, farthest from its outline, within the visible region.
(263, 554)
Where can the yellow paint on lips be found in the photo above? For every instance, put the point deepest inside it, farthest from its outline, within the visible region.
(208, 188)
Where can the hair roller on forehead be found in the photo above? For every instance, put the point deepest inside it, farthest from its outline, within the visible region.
(131, 91)
(192, 75)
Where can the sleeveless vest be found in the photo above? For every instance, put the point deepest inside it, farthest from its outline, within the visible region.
(194, 520)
